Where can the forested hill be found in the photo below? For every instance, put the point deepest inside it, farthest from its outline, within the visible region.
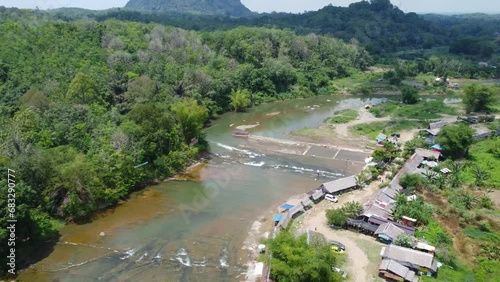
(377, 25)
(232, 8)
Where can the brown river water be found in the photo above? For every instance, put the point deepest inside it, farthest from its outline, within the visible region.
(194, 230)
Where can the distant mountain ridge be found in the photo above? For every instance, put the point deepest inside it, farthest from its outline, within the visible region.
(233, 8)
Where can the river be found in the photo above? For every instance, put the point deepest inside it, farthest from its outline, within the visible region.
(194, 230)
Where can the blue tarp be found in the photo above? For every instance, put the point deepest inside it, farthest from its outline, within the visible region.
(286, 206)
(379, 139)
(278, 217)
(437, 147)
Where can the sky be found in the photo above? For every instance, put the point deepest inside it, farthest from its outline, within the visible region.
(292, 6)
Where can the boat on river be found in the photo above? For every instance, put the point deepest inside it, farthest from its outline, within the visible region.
(241, 134)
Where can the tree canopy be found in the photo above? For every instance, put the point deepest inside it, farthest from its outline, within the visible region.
(478, 97)
(295, 261)
(455, 140)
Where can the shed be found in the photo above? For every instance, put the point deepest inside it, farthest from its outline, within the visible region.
(408, 221)
(413, 259)
(339, 184)
(388, 232)
(425, 247)
(306, 202)
(435, 127)
(426, 154)
(295, 210)
(381, 137)
(317, 194)
(395, 271)
(277, 217)
(437, 147)
(286, 207)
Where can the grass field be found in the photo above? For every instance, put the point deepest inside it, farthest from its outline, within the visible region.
(486, 154)
(344, 116)
(371, 130)
(421, 110)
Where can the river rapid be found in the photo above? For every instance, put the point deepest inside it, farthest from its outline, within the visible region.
(194, 230)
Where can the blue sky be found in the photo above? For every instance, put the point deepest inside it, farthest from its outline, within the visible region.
(294, 6)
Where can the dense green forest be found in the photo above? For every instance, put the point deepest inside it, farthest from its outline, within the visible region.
(377, 25)
(84, 103)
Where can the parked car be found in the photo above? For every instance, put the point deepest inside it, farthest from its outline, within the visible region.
(339, 245)
(331, 198)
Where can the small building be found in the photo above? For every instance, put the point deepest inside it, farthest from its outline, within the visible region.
(388, 232)
(285, 207)
(295, 210)
(435, 127)
(425, 247)
(413, 259)
(381, 138)
(437, 148)
(277, 218)
(408, 221)
(306, 202)
(284, 220)
(392, 270)
(428, 154)
(316, 195)
(339, 185)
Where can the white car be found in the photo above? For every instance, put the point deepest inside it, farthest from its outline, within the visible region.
(331, 198)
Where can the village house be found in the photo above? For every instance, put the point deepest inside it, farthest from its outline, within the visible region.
(393, 270)
(388, 232)
(420, 262)
(340, 185)
(435, 127)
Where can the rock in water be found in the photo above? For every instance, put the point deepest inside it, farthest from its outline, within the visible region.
(102, 234)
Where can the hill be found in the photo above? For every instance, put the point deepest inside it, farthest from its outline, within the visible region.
(232, 8)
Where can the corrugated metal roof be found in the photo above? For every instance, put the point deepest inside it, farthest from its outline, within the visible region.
(390, 230)
(396, 268)
(296, 209)
(340, 184)
(427, 153)
(318, 194)
(306, 201)
(408, 255)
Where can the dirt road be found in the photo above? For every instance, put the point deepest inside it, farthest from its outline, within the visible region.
(363, 258)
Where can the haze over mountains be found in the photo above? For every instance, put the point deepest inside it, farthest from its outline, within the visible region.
(232, 8)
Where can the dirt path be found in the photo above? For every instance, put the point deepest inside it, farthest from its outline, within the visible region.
(362, 261)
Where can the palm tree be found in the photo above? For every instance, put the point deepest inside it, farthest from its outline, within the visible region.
(440, 181)
(430, 176)
(352, 209)
(480, 175)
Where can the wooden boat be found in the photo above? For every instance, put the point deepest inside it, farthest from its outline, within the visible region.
(240, 134)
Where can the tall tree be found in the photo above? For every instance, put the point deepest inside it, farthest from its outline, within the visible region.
(83, 89)
(409, 95)
(191, 117)
(455, 140)
(240, 99)
(478, 97)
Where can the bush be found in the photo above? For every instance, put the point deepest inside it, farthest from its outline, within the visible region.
(336, 217)
(409, 95)
(295, 260)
